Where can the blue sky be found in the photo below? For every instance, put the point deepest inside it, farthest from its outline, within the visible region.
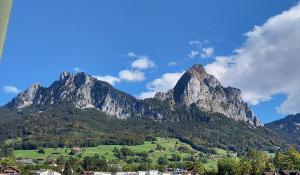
(50, 36)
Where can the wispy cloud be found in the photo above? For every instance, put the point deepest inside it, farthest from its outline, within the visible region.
(172, 63)
(131, 75)
(9, 89)
(77, 69)
(108, 78)
(199, 49)
(162, 84)
(207, 52)
(193, 54)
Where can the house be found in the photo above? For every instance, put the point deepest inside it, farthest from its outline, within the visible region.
(9, 170)
(270, 173)
(289, 172)
(121, 173)
(101, 173)
(165, 173)
(46, 172)
(132, 173)
(179, 172)
(76, 149)
(152, 172)
(26, 162)
(142, 172)
(190, 173)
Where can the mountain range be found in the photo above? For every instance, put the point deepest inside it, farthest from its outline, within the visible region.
(198, 110)
(195, 88)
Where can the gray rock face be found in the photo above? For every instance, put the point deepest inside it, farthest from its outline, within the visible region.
(81, 90)
(197, 88)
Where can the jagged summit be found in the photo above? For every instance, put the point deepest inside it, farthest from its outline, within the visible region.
(196, 88)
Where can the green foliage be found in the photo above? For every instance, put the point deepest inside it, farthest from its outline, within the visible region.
(255, 162)
(228, 166)
(289, 160)
(67, 169)
(195, 166)
(175, 157)
(67, 126)
(41, 150)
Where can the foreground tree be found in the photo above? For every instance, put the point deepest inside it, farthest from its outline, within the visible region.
(255, 163)
(196, 166)
(228, 166)
(67, 169)
(287, 160)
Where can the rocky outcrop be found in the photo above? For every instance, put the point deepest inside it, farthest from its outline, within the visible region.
(197, 88)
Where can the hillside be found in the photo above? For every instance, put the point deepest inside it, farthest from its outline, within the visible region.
(288, 127)
(69, 126)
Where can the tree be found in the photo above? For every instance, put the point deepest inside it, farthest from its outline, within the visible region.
(87, 164)
(287, 160)
(67, 169)
(196, 166)
(162, 161)
(199, 168)
(255, 162)
(228, 166)
(41, 150)
(175, 157)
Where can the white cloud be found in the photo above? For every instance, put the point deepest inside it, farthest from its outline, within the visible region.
(195, 42)
(172, 63)
(143, 63)
(131, 75)
(267, 63)
(198, 43)
(131, 54)
(11, 89)
(77, 69)
(148, 94)
(161, 84)
(108, 78)
(193, 53)
(207, 52)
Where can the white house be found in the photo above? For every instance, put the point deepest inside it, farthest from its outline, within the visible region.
(152, 172)
(101, 173)
(47, 172)
(121, 173)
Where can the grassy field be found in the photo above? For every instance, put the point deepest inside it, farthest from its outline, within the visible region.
(171, 147)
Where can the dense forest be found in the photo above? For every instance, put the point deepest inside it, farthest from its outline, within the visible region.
(64, 125)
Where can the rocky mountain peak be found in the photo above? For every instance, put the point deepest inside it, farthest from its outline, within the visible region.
(197, 70)
(65, 75)
(197, 88)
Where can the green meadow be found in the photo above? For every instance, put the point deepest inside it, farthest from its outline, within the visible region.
(170, 147)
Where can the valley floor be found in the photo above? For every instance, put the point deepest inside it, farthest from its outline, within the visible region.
(169, 148)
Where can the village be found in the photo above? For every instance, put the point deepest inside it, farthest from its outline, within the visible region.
(10, 170)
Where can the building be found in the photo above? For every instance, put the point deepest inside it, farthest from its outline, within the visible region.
(101, 173)
(283, 172)
(289, 172)
(141, 172)
(76, 149)
(9, 170)
(47, 172)
(26, 162)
